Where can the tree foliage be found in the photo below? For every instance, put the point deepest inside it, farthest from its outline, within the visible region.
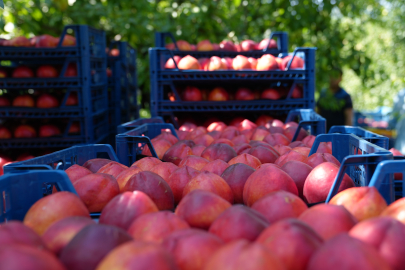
(360, 36)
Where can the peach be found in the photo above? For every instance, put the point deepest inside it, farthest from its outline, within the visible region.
(164, 169)
(290, 131)
(248, 45)
(210, 182)
(292, 241)
(154, 186)
(328, 220)
(205, 45)
(204, 139)
(302, 149)
(75, 172)
(188, 62)
(170, 63)
(198, 131)
(227, 45)
(264, 154)
(297, 144)
(215, 63)
(396, 210)
(58, 206)
(238, 222)
(146, 163)
(15, 232)
(282, 149)
(112, 168)
(160, 146)
(266, 43)
(276, 138)
(154, 227)
(218, 151)
(168, 137)
(242, 255)
(242, 148)
(91, 245)
(138, 255)
(96, 190)
(123, 209)
(345, 252)
(27, 258)
(95, 164)
(386, 235)
(267, 62)
(179, 179)
(297, 62)
(125, 175)
(240, 139)
(246, 124)
(218, 94)
(247, 159)
(200, 208)
(324, 148)
(225, 141)
(217, 166)
(299, 172)
(318, 158)
(263, 119)
(194, 162)
(215, 134)
(241, 62)
(177, 152)
(229, 133)
(259, 134)
(320, 181)
(309, 140)
(236, 176)
(291, 155)
(216, 126)
(197, 150)
(265, 180)
(362, 202)
(182, 245)
(60, 233)
(280, 205)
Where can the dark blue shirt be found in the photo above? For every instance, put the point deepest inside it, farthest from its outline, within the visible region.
(332, 106)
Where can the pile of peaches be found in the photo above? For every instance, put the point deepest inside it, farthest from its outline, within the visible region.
(192, 93)
(224, 197)
(240, 62)
(44, 101)
(42, 41)
(226, 45)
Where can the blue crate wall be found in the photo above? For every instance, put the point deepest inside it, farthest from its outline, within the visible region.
(162, 79)
(90, 85)
(280, 37)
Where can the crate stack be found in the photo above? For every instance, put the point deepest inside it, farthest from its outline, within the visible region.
(167, 84)
(84, 122)
(122, 85)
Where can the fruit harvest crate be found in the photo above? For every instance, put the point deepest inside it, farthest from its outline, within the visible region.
(36, 178)
(165, 81)
(138, 122)
(90, 113)
(280, 37)
(369, 136)
(122, 85)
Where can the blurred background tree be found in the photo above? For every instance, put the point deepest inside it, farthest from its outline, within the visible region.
(365, 37)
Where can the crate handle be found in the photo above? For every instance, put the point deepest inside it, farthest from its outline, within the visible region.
(273, 34)
(299, 49)
(172, 57)
(354, 160)
(388, 167)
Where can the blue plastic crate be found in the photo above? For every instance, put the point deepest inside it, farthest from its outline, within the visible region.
(166, 80)
(90, 85)
(281, 39)
(358, 159)
(369, 136)
(27, 181)
(123, 104)
(130, 144)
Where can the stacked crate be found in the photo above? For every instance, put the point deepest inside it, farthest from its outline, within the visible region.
(84, 123)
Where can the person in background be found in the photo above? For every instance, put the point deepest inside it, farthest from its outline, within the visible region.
(335, 104)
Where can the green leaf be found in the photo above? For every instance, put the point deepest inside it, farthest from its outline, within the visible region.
(1, 4)
(236, 2)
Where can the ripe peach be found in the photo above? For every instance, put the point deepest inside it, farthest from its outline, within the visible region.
(396, 210)
(318, 158)
(125, 175)
(112, 168)
(218, 151)
(15, 232)
(75, 172)
(188, 62)
(164, 169)
(276, 138)
(160, 146)
(241, 62)
(179, 179)
(291, 155)
(95, 164)
(217, 166)
(267, 62)
(297, 62)
(194, 162)
(177, 152)
(197, 149)
(247, 159)
(264, 154)
(147, 163)
(236, 176)
(299, 172)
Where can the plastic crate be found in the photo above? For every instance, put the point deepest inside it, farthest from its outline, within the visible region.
(27, 181)
(362, 133)
(123, 104)
(358, 159)
(138, 122)
(90, 85)
(282, 45)
(130, 144)
(164, 81)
